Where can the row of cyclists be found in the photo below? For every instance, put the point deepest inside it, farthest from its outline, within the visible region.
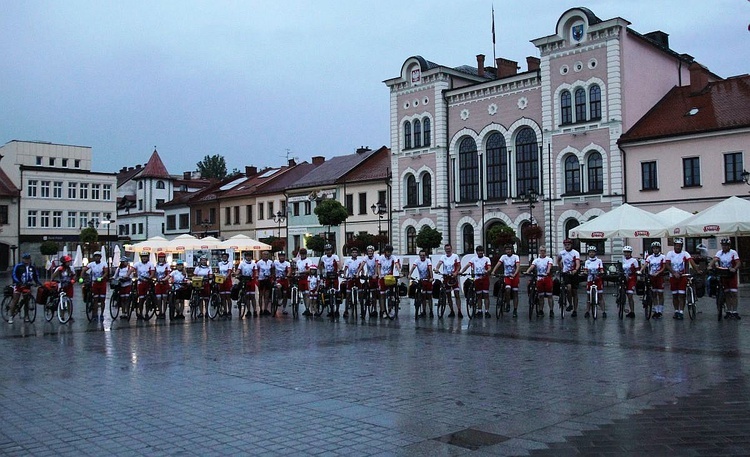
(265, 274)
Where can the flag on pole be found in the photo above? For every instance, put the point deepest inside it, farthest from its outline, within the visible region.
(493, 25)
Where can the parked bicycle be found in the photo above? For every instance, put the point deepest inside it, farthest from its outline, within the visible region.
(535, 306)
(26, 306)
(58, 303)
(392, 298)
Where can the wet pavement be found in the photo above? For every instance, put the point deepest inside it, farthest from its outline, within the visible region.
(279, 386)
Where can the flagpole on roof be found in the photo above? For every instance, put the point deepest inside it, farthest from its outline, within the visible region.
(494, 55)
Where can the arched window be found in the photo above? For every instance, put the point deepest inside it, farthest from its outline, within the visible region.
(497, 167)
(140, 184)
(426, 133)
(566, 111)
(595, 102)
(468, 170)
(492, 248)
(417, 134)
(411, 240)
(426, 190)
(160, 184)
(407, 135)
(527, 161)
(570, 224)
(580, 105)
(596, 174)
(411, 191)
(572, 175)
(524, 247)
(468, 238)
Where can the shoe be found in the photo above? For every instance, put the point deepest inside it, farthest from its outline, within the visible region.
(140, 318)
(507, 308)
(737, 316)
(540, 313)
(122, 318)
(10, 321)
(574, 314)
(432, 315)
(284, 312)
(630, 314)
(423, 314)
(676, 315)
(656, 316)
(515, 313)
(255, 314)
(682, 316)
(452, 314)
(604, 314)
(487, 315)
(460, 316)
(728, 315)
(373, 314)
(551, 314)
(329, 314)
(101, 318)
(346, 314)
(336, 314)
(161, 317)
(305, 313)
(569, 308)
(587, 315)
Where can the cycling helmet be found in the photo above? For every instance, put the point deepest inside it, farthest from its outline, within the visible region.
(282, 253)
(203, 257)
(97, 253)
(248, 254)
(592, 249)
(679, 240)
(144, 254)
(180, 263)
(370, 248)
(726, 241)
(656, 244)
(567, 241)
(355, 249)
(479, 248)
(627, 249)
(66, 258)
(225, 254)
(327, 247)
(124, 260)
(25, 255)
(162, 254)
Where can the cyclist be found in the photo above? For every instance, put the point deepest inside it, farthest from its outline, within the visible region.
(161, 288)
(569, 261)
(225, 267)
(246, 270)
(97, 271)
(351, 269)
(203, 269)
(369, 267)
(302, 269)
(451, 265)
(543, 267)
(144, 270)
(511, 265)
(123, 276)
(387, 264)
(728, 259)
(630, 267)
(594, 271)
(263, 271)
(423, 265)
(313, 285)
(24, 273)
(66, 276)
(178, 279)
(481, 267)
(656, 263)
(677, 262)
(282, 269)
(329, 268)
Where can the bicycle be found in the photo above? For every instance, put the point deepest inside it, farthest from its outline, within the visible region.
(330, 293)
(442, 300)
(621, 296)
(721, 299)
(296, 296)
(420, 304)
(213, 303)
(690, 297)
(593, 296)
(470, 292)
(60, 304)
(88, 300)
(502, 306)
(243, 300)
(534, 307)
(175, 304)
(565, 300)
(392, 299)
(196, 297)
(648, 299)
(26, 305)
(149, 301)
(370, 301)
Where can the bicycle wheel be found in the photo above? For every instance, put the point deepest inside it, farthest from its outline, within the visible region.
(149, 306)
(214, 303)
(331, 299)
(6, 308)
(296, 298)
(89, 310)
(441, 303)
(594, 300)
(114, 305)
(418, 300)
(171, 305)
(562, 300)
(49, 309)
(500, 304)
(195, 305)
(390, 305)
(274, 302)
(471, 303)
(30, 308)
(353, 302)
(64, 308)
(720, 302)
(318, 304)
(532, 303)
(647, 305)
(690, 301)
(621, 303)
(132, 304)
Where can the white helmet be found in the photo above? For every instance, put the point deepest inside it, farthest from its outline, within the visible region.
(627, 249)
(656, 244)
(679, 240)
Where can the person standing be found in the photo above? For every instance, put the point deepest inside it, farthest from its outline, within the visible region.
(569, 261)
(677, 262)
(511, 265)
(480, 266)
(630, 267)
(24, 274)
(448, 266)
(543, 267)
(247, 273)
(423, 265)
(655, 264)
(728, 260)
(97, 271)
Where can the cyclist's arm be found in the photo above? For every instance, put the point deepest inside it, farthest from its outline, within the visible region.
(735, 265)
(517, 270)
(16, 278)
(576, 264)
(531, 267)
(466, 267)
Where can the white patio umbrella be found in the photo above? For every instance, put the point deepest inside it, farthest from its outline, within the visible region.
(184, 243)
(78, 259)
(153, 244)
(673, 215)
(729, 217)
(116, 256)
(244, 243)
(625, 221)
(104, 253)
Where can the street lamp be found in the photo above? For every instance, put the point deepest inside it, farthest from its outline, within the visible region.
(109, 242)
(380, 209)
(531, 197)
(205, 224)
(745, 176)
(279, 218)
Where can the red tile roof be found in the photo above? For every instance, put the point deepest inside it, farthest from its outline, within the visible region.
(376, 167)
(721, 105)
(7, 188)
(155, 168)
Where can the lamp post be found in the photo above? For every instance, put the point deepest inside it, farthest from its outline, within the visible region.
(279, 218)
(745, 176)
(380, 209)
(13, 248)
(109, 242)
(531, 196)
(205, 224)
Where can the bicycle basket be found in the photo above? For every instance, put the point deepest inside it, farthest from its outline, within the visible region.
(197, 282)
(41, 294)
(390, 280)
(436, 286)
(219, 279)
(402, 290)
(8, 291)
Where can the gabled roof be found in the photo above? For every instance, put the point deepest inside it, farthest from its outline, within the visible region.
(281, 182)
(250, 185)
(721, 105)
(330, 171)
(127, 173)
(155, 168)
(375, 168)
(7, 188)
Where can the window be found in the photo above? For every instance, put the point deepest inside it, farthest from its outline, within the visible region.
(171, 222)
(733, 167)
(107, 192)
(95, 188)
(426, 189)
(417, 134)
(407, 135)
(295, 209)
(468, 170)
(497, 167)
(227, 215)
(140, 204)
(140, 185)
(160, 185)
(72, 219)
(159, 202)
(566, 112)
(411, 190)
(362, 203)
(248, 214)
(84, 194)
(527, 161)
(4, 214)
(691, 172)
(45, 189)
(580, 105)
(468, 238)
(411, 240)
(648, 176)
(31, 218)
(382, 198)
(570, 224)
(572, 175)
(296, 241)
(198, 216)
(31, 188)
(184, 220)
(308, 208)
(595, 102)
(57, 219)
(57, 189)
(212, 215)
(236, 211)
(38, 160)
(140, 228)
(95, 218)
(77, 163)
(349, 203)
(64, 162)
(133, 228)
(596, 173)
(525, 246)
(51, 161)
(44, 218)
(83, 219)
(426, 132)
(72, 189)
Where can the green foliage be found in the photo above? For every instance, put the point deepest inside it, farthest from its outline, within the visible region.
(49, 248)
(360, 241)
(331, 212)
(501, 235)
(429, 238)
(315, 243)
(89, 235)
(277, 244)
(212, 167)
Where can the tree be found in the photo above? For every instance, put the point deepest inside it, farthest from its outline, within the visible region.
(89, 238)
(331, 212)
(501, 235)
(277, 244)
(49, 248)
(315, 243)
(212, 167)
(429, 238)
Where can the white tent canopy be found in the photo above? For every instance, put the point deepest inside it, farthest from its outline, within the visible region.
(625, 221)
(244, 243)
(729, 217)
(673, 215)
(151, 245)
(184, 243)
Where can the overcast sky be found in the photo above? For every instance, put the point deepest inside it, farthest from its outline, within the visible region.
(253, 79)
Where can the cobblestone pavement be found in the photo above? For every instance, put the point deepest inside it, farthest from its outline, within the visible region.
(279, 386)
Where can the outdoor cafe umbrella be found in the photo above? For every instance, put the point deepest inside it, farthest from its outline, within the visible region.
(673, 215)
(186, 242)
(729, 217)
(625, 221)
(244, 243)
(152, 245)
(116, 256)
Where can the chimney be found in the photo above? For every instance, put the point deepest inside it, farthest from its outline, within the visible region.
(292, 163)
(532, 63)
(480, 64)
(363, 149)
(187, 175)
(250, 171)
(123, 169)
(698, 77)
(138, 166)
(506, 67)
(659, 37)
(317, 160)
